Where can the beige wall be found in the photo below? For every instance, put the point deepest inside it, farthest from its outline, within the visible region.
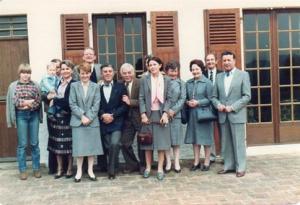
(45, 36)
(44, 22)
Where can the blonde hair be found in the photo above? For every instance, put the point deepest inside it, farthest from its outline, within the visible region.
(24, 68)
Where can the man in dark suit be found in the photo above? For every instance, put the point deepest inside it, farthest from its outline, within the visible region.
(231, 94)
(132, 124)
(111, 114)
(211, 73)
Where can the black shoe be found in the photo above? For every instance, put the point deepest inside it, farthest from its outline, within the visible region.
(58, 175)
(92, 178)
(195, 167)
(111, 176)
(177, 170)
(77, 180)
(166, 171)
(205, 168)
(212, 161)
(226, 171)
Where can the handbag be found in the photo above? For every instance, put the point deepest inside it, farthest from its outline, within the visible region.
(145, 138)
(184, 114)
(205, 114)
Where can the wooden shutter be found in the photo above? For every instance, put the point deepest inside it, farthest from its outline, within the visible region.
(164, 31)
(75, 36)
(222, 29)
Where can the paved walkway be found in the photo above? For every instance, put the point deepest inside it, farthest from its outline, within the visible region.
(270, 179)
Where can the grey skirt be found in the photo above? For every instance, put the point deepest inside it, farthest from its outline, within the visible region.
(161, 134)
(176, 131)
(86, 141)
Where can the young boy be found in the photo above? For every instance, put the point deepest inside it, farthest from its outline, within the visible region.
(48, 85)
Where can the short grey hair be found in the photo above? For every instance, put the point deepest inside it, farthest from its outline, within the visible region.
(127, 65)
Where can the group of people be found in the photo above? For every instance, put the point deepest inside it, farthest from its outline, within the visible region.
(89, 114)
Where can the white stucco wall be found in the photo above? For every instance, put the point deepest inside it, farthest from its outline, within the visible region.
(44, 33)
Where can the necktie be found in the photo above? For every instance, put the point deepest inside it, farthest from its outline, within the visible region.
(127, 88)
(211, 77)
(227, 73)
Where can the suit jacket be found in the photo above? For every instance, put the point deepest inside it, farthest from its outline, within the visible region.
(134, 111)
(63, 103)
(145, 95)
(239, 95)
(114, 106)
(205, 73)
(88, 106)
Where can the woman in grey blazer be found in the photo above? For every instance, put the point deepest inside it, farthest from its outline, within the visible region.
(199, 91)
(154, 106)
(84, 103)
(178, 96)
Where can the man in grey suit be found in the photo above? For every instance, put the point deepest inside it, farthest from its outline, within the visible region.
(132, 122)
(231, 94)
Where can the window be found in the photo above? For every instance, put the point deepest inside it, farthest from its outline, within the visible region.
(257, 63)
(120, 38)
(13, 26)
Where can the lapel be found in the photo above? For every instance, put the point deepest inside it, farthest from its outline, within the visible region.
(81, 92)
(148, 81)
(165, 86)
(234, 76)
(89, 91)
(222, 84)
(133, 88)
(112, 93)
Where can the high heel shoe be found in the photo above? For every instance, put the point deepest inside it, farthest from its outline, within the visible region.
(58, 174)
(205, 168)
(168, 170)
(195, 167)
(92, 178)
(77, 180)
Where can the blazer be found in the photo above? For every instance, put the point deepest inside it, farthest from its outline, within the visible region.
(88, 106)
(114, 106)
(134, 111)
(205, 73)
(145, 95)
(63, 103)
(239, 95)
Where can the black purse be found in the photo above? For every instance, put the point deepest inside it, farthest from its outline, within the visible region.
(205, 114)
(145, 136)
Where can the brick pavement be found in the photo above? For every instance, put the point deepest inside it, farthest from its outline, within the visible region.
(271, 179)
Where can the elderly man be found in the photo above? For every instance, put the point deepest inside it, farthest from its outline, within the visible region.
(231, 94)
(132, 123)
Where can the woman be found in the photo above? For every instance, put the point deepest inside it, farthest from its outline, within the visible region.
(60, 133)
(84, 103)
(154, 106)
(199, 90)
(23, 103)
(178, 91)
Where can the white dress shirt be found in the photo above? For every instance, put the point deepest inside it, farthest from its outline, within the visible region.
(227, 80)
(107, 90)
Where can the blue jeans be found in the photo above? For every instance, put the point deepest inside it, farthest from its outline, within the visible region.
(28, 124)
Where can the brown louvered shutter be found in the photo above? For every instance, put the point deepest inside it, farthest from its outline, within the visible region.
(222, 29)
(164, 31)
(75, 36)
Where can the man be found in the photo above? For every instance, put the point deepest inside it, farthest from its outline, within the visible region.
(232, 92)
(211, 73)
(89, 57)
(111, 114)
(132, 123)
